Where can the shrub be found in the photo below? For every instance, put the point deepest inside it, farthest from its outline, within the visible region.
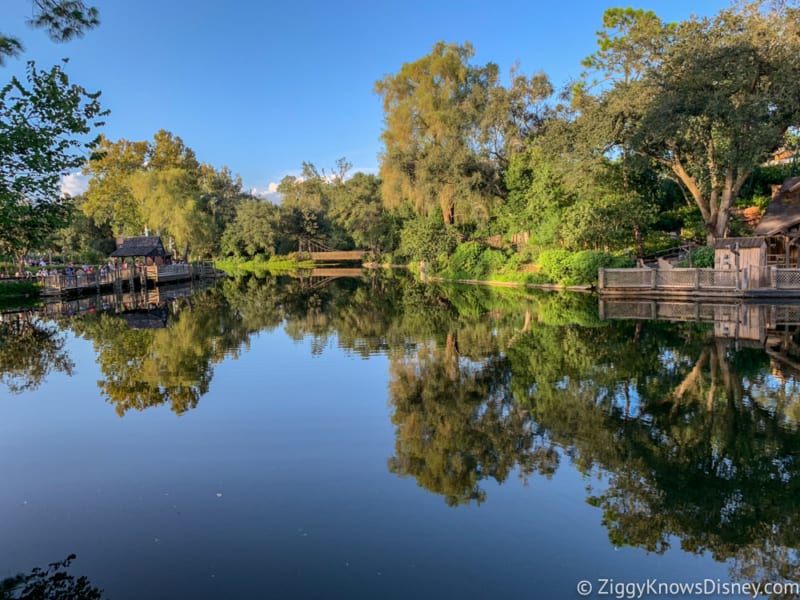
(702, 258)
(579, 268)
(427, 238)
(472, 260)
(553, 264)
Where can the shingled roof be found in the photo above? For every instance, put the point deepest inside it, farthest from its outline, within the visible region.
(741, 242)
(145, 245)
(783, 211)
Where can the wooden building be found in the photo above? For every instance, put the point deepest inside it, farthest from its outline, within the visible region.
(780, 226)
(746, 255)
(149, 248)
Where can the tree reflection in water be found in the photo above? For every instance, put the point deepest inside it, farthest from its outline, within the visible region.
(51, 583)
(687, 436)
(29, 351)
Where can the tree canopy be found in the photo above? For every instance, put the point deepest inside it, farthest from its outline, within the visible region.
(45, 124)
(709, 98)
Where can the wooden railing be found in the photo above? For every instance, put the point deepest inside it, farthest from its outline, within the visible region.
(695, 280)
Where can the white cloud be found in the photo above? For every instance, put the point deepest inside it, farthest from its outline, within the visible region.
(270, 194)
(74, 184)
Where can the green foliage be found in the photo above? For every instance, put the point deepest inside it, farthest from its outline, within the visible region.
(29, 351)
(554, 264)
(252, 231)
(450, 128)
(578, 268)
(427, 238)
(43, 129)
(472, 260)
(714, 98)
(18, 289)
(261, 265)
(657, 241)
(160, 185)
(702, 258)
(357, 208)
(63, 20)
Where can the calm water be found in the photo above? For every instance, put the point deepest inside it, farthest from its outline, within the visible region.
(388, 439)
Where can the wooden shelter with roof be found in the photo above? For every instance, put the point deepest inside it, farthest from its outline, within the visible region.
(149, 248)
(740, 254)
(780, 225)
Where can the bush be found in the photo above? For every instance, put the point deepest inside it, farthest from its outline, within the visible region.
(472, 260)
(554, 264)
(427, 238)
(579, 268)
(702, 258)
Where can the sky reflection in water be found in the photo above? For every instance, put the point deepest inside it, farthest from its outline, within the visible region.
(387, 438)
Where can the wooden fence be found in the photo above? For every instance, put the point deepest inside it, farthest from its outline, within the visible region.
(698, 281)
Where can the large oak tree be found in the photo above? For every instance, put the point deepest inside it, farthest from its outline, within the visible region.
(715, 98)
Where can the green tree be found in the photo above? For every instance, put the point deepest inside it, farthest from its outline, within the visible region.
(433, 108)
(43, 130)
(83, 238)
(630, 43)
(220, 196)
(170, 203)
(357, 207)
(252, 231)
(109, 200)
(160, 186)
(62, 19)
(715, 102)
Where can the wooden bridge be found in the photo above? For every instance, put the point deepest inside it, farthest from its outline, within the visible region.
(319, 252)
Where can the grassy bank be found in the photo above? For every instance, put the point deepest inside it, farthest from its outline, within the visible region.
(473, 262)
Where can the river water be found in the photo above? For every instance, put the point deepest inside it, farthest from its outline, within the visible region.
(383, 438)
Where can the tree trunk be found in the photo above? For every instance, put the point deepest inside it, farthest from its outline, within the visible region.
(637, 236)
(20, 259)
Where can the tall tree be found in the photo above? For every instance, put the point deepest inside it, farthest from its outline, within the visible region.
(109, 199)
(43, 131)
(433, 108)
(716, 102)
(161, 186)
(631, 42)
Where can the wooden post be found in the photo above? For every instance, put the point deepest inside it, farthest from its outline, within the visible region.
(601, 281)
(773, 277)
(652, 279)
(697, 279)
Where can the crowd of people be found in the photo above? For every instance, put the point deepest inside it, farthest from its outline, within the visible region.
(71, 270)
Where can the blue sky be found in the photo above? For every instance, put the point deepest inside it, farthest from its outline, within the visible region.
(262, 86)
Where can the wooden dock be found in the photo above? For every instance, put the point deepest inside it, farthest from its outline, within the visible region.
(124, 279)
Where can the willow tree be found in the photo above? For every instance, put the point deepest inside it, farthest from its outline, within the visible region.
(715, 99)
(433, 108)
(160, 186)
